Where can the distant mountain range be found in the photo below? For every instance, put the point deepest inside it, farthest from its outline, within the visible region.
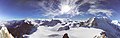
(96, 27)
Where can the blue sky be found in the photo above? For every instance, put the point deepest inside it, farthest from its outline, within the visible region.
(19, 9)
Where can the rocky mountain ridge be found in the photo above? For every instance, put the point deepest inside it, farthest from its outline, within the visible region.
(28, 27)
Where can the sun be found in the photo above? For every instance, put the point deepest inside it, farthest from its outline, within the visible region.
(65, 8)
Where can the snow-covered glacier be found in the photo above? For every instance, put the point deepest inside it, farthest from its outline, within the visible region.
(96, 27)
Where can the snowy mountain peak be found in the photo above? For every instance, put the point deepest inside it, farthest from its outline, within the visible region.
(116, 22)
(100, 19)
(105, 24)
(93, 21)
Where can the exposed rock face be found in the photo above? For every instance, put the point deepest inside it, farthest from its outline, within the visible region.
(104, 24)
(51, 23)
(92, 22)
(65, 35)
(4, 33)
(81, 23)
(64, 28)
(112, 30)
(75, 25)
(20, 28)
(102, 35)
(0, 27)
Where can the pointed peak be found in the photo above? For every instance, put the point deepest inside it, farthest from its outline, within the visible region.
(90, 20)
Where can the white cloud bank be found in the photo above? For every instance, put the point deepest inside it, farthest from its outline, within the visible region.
(95, 11)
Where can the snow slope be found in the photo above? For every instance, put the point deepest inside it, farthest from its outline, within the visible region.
(81, 32)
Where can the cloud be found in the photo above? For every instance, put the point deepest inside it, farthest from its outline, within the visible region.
(53, 8)
(65, 7)
(96, 11)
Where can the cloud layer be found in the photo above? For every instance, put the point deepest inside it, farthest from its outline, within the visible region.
(53, 8)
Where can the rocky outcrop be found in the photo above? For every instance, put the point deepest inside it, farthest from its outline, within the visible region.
(0, 27)
(18, 29)
(75, 25)
(64, 28)
(65, 35)
(51, 23)
(4, 33)
(102, 35)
